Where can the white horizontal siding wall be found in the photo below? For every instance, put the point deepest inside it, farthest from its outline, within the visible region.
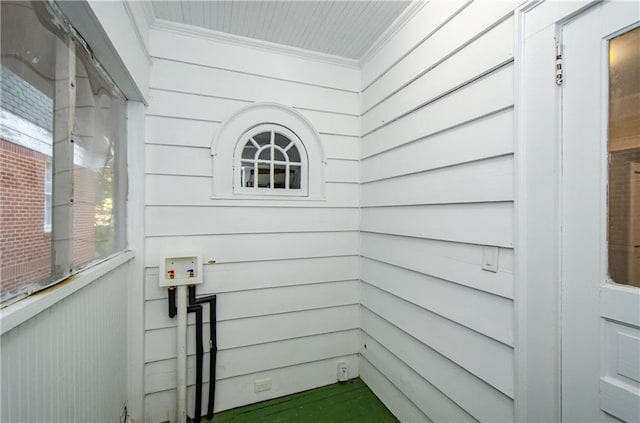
(286, 277)
(69, 362)
(437, 188)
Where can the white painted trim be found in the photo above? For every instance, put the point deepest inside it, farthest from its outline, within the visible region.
(537, 210)
(236, 40)
(84, 20)
(519, 310)
(136, 29)
(256, 191)
(149, 13)
(224, 144)
(397, 25)
(136, 242)
(22, 132)
(23, 310)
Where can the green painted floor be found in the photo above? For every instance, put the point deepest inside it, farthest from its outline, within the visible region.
(351, 402)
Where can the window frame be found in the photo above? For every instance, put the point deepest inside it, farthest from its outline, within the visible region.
(60, 162)
(48, 193)
(246, 138)
(224, 154)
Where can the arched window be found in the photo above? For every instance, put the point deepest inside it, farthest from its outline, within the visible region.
(268, 151)
(270, 160)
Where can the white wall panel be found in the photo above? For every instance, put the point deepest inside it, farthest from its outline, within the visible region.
(234, 392)
(197, 133)
(489, 51)
(426, 21)
(455, 262)
(474, 223)
(196, 161)
(286, 272)
(215, 82)
(487, 137)
(222, 55)
(168, 190)
(261, 302)
(161, 375)
(495, 90)
(69, 363)
(214, 109)
(489, 360)
(481, 181)
(471, 393)
(389, 394)
(160, 344)
(488, 314)
(255, 247)
(472, 21)
(232, 277)
(182, 220)
(433, 403)
(436, 192)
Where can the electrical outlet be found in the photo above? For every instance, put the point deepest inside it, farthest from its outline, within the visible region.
(262, 385)
(343, 372)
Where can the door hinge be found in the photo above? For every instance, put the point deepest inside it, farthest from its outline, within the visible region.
(559, 72)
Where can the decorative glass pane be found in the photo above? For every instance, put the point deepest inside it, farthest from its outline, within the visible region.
(263, 138)
(247, 174)
(264, 175)
(279, 176)
(294, 155)
(249, 151)
(624, 158)
(265, 154)
(295, 177)
(281, 141)
(278, 155)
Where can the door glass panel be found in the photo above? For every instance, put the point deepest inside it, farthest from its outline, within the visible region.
(624, 158)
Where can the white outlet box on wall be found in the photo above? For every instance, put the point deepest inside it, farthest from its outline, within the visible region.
(262, 385)
(183, 269)
(343, 372)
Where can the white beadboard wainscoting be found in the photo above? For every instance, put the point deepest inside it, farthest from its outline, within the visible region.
(69, 363)
(437, 189)
(286, 273)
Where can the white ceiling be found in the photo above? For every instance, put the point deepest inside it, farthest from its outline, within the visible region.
(340, 28)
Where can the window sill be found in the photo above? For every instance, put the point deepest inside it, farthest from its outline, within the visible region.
(21, 311)
(271, 201)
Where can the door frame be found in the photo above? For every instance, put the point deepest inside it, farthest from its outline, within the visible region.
(634, 221)
(537, 243)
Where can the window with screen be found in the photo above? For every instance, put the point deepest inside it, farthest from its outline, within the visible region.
(62, 152)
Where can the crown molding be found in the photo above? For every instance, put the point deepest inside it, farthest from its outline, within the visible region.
(149, 13)
(393, 29)
(223, 37)
(136, 28)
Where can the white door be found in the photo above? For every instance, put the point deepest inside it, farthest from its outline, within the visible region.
(600, 305)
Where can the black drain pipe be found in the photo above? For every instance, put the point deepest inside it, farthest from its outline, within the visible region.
(213, 343)
(173, 310)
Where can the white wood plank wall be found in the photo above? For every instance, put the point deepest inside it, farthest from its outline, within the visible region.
(437, 187)
(287, 278)
(69, 362)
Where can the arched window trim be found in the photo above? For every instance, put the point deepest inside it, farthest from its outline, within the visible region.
(295, 140)
(225, 142)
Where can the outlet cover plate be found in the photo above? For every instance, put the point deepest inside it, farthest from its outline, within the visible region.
(262, 385)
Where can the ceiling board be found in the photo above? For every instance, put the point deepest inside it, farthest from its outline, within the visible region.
(340, 28)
